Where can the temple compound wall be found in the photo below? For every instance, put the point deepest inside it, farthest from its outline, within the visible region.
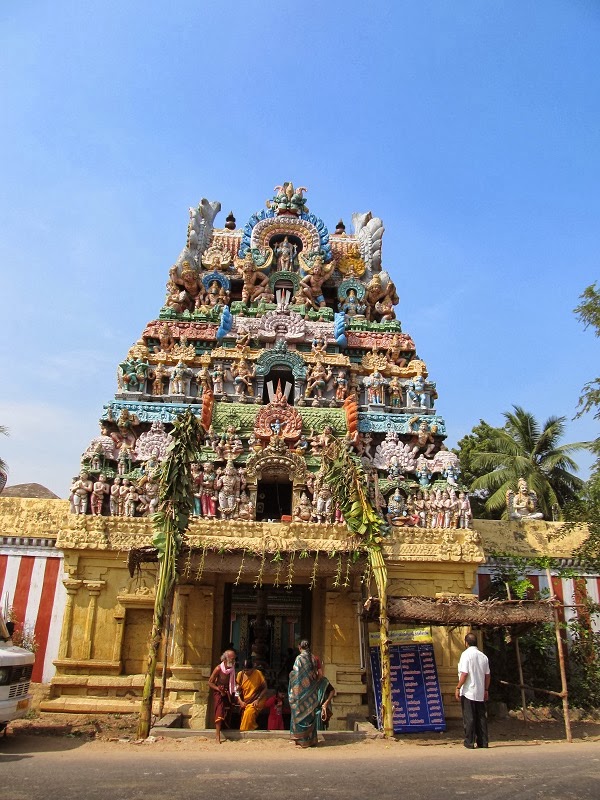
(102, 625)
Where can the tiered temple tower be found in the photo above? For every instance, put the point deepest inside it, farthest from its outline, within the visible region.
(281, 337)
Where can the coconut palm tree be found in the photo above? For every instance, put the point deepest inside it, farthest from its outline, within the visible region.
(523, 448)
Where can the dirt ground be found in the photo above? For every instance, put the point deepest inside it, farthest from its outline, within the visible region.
(107, 731)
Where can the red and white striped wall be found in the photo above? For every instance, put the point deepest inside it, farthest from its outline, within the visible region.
(31, 573)
(570, 591)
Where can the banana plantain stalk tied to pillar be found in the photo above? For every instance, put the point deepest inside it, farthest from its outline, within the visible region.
(347, 481)
(170, 524)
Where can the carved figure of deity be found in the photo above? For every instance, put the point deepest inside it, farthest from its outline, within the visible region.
(228, 487)
(393, 353)
(317, 380)
(396, 509)
(424, 436)
(395, 391)
(243, 374)
(179, 378)
(340, 383)
(246, 508)
(352, 306)
(208, 498)
(125, 423)
(523, 503)
(149, 498)
(218, 377)
(229, 445)
(465, 514)
(131, 501)
(303, 511)
(124, 460)
(375, 385)
(310, 289)
(321, 442)
(196, 471)
(99, 491)
(80, 493)
(285, 253)
(157, 375)
(416, 392)
(123, 494)
(323, 504)
(256, 283)
(113, 503)
(377, 293)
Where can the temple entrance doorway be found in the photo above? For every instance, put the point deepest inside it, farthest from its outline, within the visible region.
(266, 625)
(273, 499)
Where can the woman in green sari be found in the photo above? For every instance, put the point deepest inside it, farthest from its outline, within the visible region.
(307, 692)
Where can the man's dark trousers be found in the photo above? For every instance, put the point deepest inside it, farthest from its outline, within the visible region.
(475, 722)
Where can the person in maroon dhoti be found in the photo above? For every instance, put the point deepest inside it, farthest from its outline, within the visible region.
(222, 683)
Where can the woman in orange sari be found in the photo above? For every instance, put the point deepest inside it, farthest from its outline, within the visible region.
(252, 688)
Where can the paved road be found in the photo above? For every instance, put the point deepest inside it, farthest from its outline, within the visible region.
(32, 769)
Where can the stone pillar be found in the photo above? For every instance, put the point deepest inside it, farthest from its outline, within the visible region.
(94, 588)
(180, 625)
(72, 587)
(118, 645)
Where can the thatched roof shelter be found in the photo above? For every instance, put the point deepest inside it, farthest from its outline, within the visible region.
(457, 611)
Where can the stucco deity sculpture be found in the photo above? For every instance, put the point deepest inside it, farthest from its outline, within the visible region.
(375, 385)
(114, 497)
(81, 489)
(218, 376)
(340, 383)
(285, 254)
(464, 513)
(228, 488)
(157, 375)
(100, 490)
(208, 498)
(131, 500)
(416, 394)
(303, 510)
(396, 509)
(311, 291)
(384, 294)
(246, 508)
(352, 306)
(179, 378)
(321, 442)
(229, 445)
(256, 283)
(523, 503)
(149, 497)
(395, 392)
(196, 472)
(317, 380)
(394, 352)
(423, 439)
(243, 374)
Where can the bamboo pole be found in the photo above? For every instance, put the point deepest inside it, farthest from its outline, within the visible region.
(519, 665)
(163, 677)
(561, 663)
(380, 575)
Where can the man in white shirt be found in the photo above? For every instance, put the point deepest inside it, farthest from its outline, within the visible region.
(472, 691)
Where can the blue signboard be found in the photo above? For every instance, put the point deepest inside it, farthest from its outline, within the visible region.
(416, 697)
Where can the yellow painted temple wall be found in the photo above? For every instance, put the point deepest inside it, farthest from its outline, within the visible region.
(108, 614)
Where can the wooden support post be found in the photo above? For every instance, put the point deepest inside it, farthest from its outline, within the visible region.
(561, 663)
(519, 665)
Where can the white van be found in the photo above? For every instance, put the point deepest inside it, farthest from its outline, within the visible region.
(16, 666)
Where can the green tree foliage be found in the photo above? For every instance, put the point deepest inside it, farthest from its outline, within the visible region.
(588, 312)
(523, 448)
(478, 441)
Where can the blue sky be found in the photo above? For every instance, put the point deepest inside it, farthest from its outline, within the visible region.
(471, 128)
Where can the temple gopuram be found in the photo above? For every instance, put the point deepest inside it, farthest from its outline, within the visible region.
(283, 338)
